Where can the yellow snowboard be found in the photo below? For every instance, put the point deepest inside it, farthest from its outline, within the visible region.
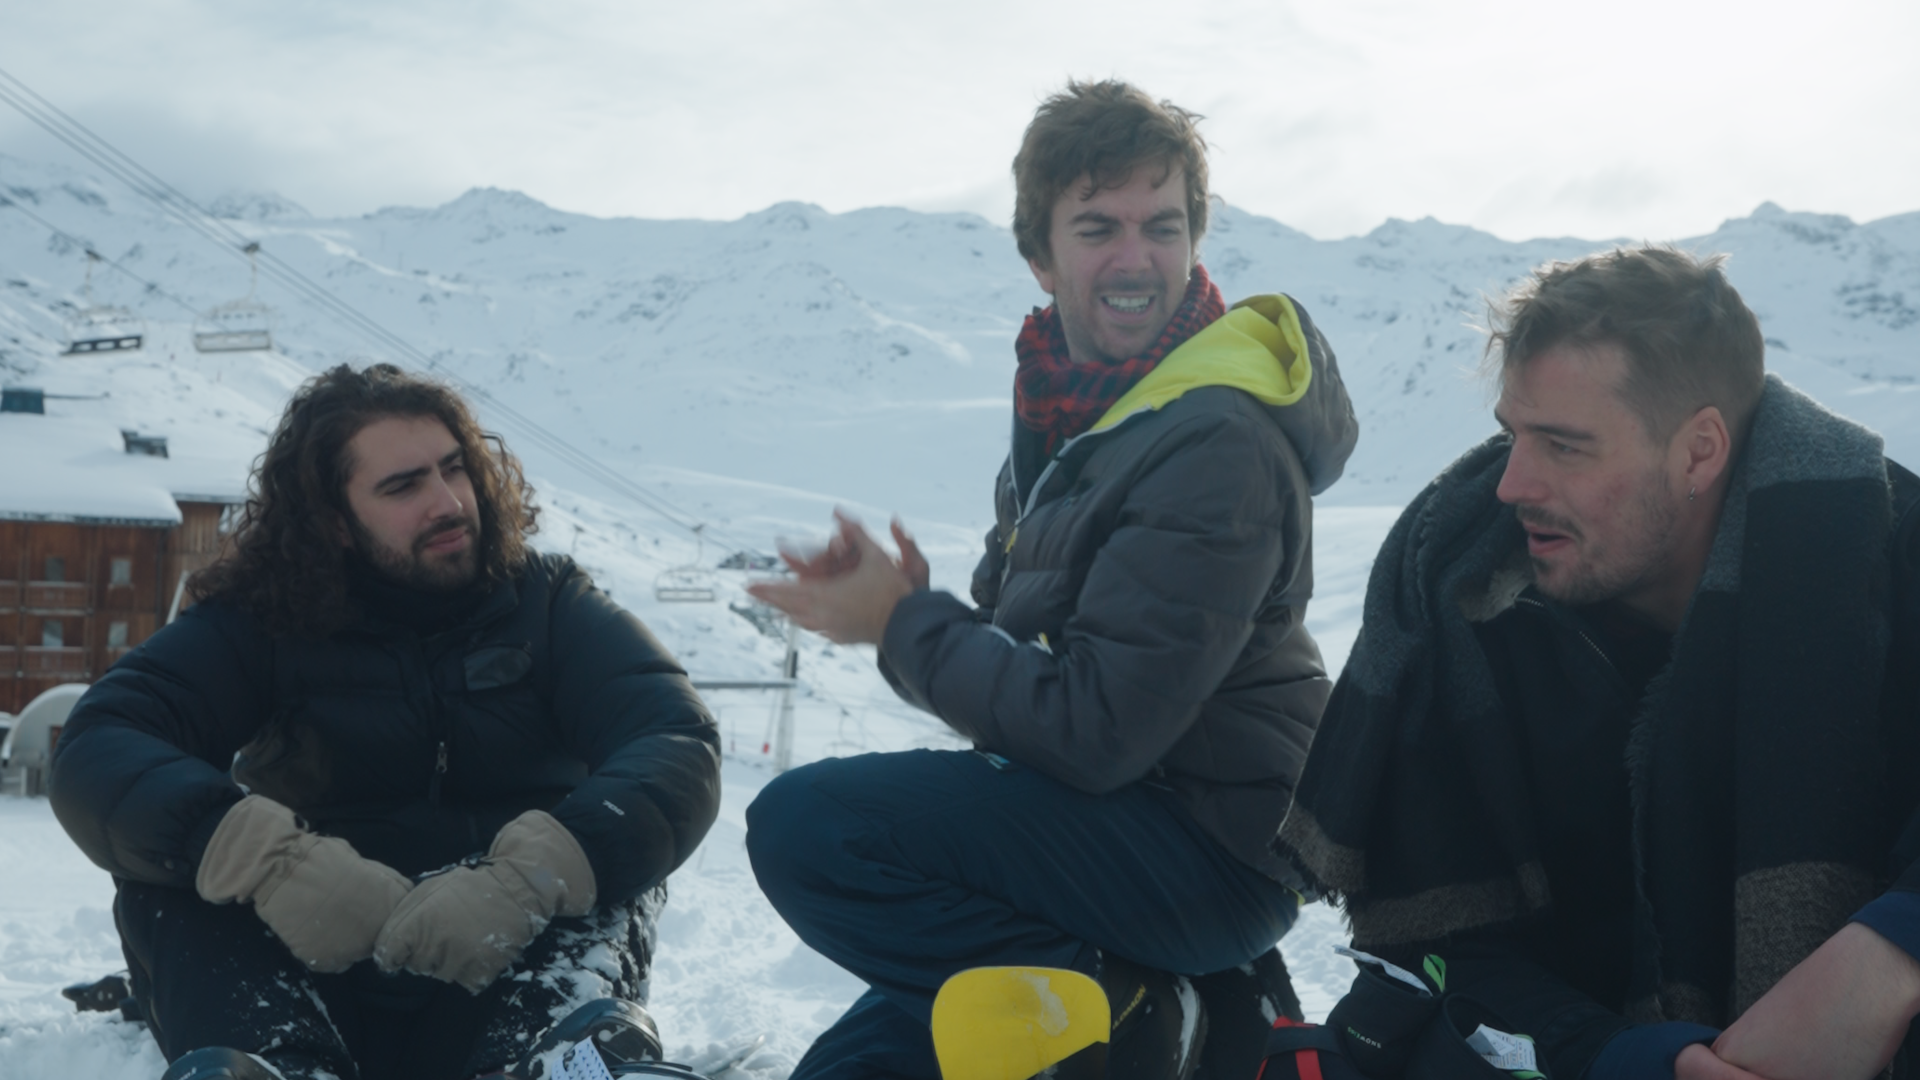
(1013, 1023)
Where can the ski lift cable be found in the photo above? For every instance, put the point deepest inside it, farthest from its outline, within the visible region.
(184, 210)
(56, 230)
(105, 154)
(189, 213)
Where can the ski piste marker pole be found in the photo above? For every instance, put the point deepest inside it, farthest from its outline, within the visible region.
(1010, 1023)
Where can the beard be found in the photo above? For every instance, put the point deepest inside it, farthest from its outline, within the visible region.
(415, 568)
(1610, 567)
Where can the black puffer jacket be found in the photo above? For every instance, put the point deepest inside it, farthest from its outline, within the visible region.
(414, 747)
(1142, 595)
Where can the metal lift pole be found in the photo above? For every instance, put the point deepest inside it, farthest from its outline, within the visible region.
(783, 728)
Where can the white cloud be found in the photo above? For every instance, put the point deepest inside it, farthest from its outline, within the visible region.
(1636, 118)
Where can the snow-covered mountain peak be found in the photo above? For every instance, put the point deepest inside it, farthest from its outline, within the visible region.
(257, 206)
(498, 203)
(1429, 235)
(1226, 219)
(786, 217)
(1800, 226)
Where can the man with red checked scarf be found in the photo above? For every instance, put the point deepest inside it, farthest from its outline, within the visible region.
(1136, 678)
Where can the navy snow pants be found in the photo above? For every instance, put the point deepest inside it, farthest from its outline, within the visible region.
(906, 868)
(214, 975)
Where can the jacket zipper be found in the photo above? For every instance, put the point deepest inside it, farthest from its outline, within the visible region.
(1040, 485)
(439, 770)
(436, 722)
(1591, 644)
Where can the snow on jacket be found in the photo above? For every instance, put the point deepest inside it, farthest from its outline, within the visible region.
(1142, 598)
(415, 748)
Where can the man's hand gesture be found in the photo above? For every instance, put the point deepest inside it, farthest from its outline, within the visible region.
(848, 589)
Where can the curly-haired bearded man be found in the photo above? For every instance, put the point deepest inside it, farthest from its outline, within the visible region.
(447, 774)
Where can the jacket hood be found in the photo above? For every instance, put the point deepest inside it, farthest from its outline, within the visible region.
(1268, 347)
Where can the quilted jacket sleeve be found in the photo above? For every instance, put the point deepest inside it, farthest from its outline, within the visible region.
(139, 778)
(628, 710)
(1167, 606)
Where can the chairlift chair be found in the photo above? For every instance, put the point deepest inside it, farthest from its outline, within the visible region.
(241, 325)
(236, 326)
(689, 584)
(103, 327)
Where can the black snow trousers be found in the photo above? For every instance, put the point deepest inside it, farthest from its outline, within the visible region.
(213, 975)
(906, 868)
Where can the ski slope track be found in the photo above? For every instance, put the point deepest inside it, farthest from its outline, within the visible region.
(753, 374)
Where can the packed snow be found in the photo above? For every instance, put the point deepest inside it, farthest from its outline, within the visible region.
(751, 375)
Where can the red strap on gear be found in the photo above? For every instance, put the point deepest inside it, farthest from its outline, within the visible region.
(1305, 1062)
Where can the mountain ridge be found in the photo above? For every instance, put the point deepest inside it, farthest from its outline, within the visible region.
(811, 350)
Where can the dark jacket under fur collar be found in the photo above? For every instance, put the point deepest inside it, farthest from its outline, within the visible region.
(1769, 773)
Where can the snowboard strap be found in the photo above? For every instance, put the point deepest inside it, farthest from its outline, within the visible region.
(1304, 1052)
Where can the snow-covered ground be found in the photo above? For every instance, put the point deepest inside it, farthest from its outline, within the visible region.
(750, 375)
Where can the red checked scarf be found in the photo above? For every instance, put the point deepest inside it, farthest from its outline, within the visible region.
(1060, 399)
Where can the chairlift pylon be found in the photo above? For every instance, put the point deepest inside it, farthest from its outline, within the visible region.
(102, 327)
(689, 584)
(238, 325)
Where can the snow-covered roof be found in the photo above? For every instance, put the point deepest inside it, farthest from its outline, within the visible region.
(58, 468)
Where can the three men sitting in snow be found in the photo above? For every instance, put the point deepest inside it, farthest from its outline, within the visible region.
(1621, 768)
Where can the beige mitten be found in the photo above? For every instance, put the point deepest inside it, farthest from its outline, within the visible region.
(469, 924)
(320, 897)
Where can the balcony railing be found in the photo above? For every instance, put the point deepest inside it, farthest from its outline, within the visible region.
(42, 660)
(57, 595)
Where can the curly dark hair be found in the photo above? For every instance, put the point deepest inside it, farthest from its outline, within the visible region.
(1102, 131)
(284, 562)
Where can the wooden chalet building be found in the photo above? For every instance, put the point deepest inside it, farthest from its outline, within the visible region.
(98, 532)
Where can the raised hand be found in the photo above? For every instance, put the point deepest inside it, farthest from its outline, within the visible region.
(912, 563)
(851, 604)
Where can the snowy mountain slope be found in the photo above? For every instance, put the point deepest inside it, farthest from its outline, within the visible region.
(867, 355)
(1403, 307)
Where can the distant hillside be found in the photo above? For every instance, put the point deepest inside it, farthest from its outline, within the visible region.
(866, 356)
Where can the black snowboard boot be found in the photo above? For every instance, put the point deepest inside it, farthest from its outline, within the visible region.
(1242, 1003)
(225, 1063)
(621, 1030)
(1159, 1024)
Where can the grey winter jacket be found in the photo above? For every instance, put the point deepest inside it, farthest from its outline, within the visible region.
(1142, 594)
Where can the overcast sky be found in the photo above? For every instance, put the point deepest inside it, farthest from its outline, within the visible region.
(1631, 118)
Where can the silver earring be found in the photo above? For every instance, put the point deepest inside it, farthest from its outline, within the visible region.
(1690, 492)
